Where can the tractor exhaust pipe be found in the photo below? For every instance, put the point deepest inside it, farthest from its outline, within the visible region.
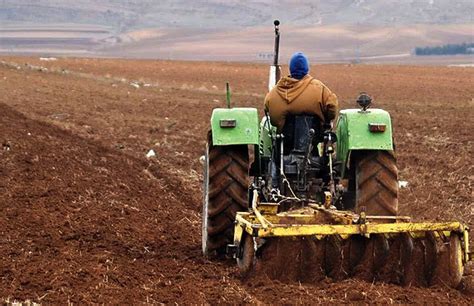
(277, 42)
(275, 70)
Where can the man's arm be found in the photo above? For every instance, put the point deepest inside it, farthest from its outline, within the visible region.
(266, 103)
(330, 104)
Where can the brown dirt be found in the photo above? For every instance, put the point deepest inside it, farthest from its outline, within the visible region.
(86, 217)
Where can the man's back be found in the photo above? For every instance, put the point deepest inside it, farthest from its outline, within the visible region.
(304, 96)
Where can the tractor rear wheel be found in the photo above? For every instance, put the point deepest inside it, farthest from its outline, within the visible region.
(375, 189)
(376, 183)
(225, 193)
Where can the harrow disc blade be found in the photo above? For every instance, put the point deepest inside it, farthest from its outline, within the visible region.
(431, 256)
(375, 255)
(246, 260)
(417, 264)
(406, 258)
(335, 253)
(449, 268)
(298, 259)
(355, 252)
(392, 269)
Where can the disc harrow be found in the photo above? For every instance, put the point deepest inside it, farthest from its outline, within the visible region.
(316, 242)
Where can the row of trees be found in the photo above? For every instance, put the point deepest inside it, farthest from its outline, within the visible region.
(450, 49)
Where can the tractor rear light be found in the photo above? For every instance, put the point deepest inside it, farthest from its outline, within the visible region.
(228, 123)
(377, 127)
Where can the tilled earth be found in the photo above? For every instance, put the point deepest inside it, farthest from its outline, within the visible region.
(86, 217)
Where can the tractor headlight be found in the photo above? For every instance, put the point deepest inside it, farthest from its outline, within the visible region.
(228, 123)
(377, 127)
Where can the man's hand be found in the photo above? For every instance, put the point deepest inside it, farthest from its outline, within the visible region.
(275, 194)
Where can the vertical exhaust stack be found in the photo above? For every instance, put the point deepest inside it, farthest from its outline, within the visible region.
(275, 69)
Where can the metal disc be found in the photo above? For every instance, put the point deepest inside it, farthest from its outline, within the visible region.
(246, 260)
(450, 267)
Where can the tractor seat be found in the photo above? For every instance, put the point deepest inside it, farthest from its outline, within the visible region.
(296, 133)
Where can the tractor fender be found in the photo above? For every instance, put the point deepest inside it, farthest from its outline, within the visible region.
(266, 132)
(234, 126)
(363, 130)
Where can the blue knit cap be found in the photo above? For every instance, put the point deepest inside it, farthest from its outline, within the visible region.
(299, 66)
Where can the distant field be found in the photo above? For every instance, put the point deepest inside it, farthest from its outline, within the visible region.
(53, 39)
(325, 43)
(330, 43)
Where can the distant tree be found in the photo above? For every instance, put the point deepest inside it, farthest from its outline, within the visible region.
(449, 49)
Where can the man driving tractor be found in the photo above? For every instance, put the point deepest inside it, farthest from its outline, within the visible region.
(299, 94)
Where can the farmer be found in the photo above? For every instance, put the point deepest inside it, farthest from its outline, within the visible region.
(297, 94)
(300, 93)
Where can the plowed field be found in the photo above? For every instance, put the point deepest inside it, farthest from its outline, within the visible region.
(86, 217)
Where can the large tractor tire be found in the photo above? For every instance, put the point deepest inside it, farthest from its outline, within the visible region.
(376, 183)
(226, 182)
(373, 186)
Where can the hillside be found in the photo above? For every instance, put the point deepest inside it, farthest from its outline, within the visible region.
(124, 15)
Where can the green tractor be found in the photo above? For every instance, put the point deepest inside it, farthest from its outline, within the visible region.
(333, 185)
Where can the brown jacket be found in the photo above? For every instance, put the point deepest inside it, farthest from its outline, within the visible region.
(305, 96)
